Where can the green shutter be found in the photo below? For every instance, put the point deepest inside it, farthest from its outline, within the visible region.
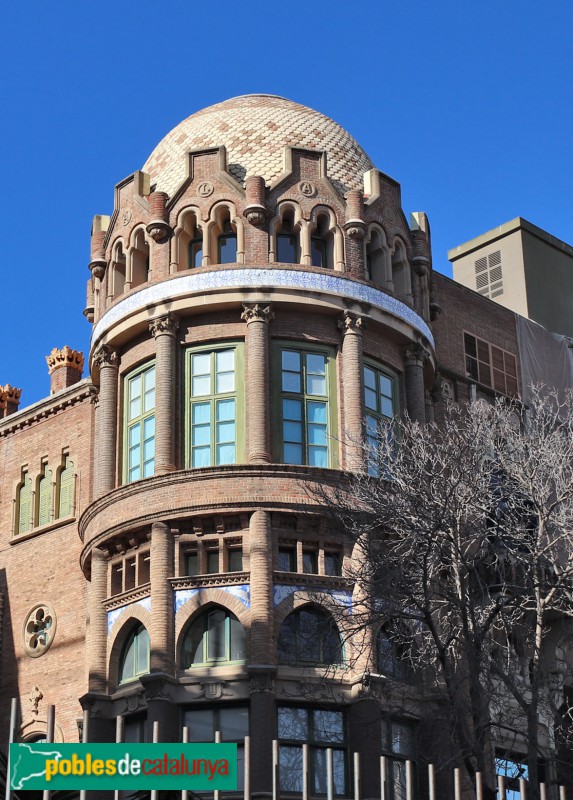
(66, 490)
(45, 498)
(25, 505)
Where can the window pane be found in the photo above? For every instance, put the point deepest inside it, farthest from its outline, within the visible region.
(292, 409)
(293, 723)
(226, 454)
(293, 454)
(316, 412)
(201, 413)
(226, 432)
(286, 249)
(212, 561)
(201, 725)
(235, 559)
(317, 435)
(318, 758)
(238, 649)
(369, 378)
(370, 398)
(201, 385)
(317, 457)
(310, 562)
(290, 769)
(291, 361)
(385, 386)
(128, 664)
(387, 407)
(134, 434)
(216, 636)
(195, 254)
(149, 428)
(142, 651)
(287, 560)
(192, 564)
(316, 384)
(225, 410)
(328, 727)
(225, 360)
(201, 435)
(291, 382)
(233, 724)
(201, 457)
(292, 432)
(332, 564)
(227, 249)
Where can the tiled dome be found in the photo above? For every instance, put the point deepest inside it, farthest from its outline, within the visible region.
(255, 129)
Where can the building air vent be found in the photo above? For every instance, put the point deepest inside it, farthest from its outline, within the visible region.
(489, 276)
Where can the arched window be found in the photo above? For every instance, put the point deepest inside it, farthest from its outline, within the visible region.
(390, 656)
(43, 512)
(134, 659)
(117, 286)
(215, 637)
(401, 273)
(309, 637)
(24, 504)
(287, 239)
(377, 258)
(139, 260)
(191, 243)
(227, 244)
(322, 244)
(65, 490)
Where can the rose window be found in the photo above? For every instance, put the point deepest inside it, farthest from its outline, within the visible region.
(39, 630)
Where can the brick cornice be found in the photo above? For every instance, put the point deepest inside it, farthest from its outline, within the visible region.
(48, 407)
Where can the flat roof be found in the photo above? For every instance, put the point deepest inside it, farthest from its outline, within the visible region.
(504, 230)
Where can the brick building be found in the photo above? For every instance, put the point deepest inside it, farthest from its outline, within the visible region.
(256, 295)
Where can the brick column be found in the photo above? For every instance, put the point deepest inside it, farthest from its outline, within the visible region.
(263, 710)
(95, 432)
(257, 318)
(355, 229)
(353, 391)
(97, 617)
(414, 358)
(162, 617)
(164, 329)
(106, 432)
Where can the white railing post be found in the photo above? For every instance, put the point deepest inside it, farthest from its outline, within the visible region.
(356, 776)
(479, 786)
(119, 733)
(155, 740)
(457, 784)
(11, 737)
(217, 792)
(409, 780)
(562, 793)
(50, 730)
(329, 775)
(305, 772)
(383, 777)
(431, 782)
(501, 787)
(522, 789)
(184, 792)
(247, 768)
(276, 785)
(85, 739)
(542, 791)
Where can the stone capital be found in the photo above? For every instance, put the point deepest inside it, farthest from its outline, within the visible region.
(415, 355)
(257, 313)
(66, 357)
(106, 357)
(351, 323)
(166, 325)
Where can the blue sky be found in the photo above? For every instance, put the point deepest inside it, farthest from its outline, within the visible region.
(467, 104)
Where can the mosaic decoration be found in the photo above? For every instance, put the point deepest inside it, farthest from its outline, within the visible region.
(283, 590)
(203, 282)
(112, 616)
(242, 592)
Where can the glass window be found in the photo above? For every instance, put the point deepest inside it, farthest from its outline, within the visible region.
(214, 409)
(287, 559)
(134, 659)
(318, 252)
(332, 564)
(233, 724)
(227, 245)
(287, 248)
(512, 768)
(212, 556)
(309, 637)
(399, 744)
(310, 562)
(235, 559)
(380, 406)
(322, 729)
(140, 425)
(195, 254)
(391, 660)
(215, 637)
(305, 407)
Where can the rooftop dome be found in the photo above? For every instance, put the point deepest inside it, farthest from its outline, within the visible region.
(254, 129)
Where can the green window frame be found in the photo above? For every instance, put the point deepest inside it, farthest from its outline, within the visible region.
(24, 505)
(65, 486)
(134, 659)
(380, 406)
(215, 406)
(305, 403)
(139, 423)
(44, 501)
(215, 637)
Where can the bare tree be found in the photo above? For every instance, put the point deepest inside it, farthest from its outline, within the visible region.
(463, 550)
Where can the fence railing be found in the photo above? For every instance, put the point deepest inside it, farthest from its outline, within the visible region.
(388, 791)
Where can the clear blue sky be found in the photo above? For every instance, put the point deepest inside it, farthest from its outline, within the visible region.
(468, 105)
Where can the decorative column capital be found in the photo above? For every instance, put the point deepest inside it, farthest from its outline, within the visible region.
(351, 323)
(257, 313)
(415, 355)
(166, 325)
(355, 229)
(106, 357)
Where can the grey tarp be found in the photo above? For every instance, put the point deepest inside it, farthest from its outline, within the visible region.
(546, 358)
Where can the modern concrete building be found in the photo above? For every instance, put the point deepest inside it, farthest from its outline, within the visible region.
(256, 297)
(523, 268)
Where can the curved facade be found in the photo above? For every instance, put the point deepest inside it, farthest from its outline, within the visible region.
(257, 298)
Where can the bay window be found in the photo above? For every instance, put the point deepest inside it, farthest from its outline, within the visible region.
(140, 424)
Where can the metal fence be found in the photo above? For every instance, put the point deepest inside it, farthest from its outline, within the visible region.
(406, 791)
